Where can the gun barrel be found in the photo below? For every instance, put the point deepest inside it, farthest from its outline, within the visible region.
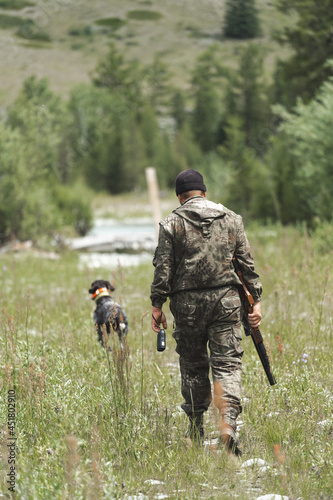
(261, 350)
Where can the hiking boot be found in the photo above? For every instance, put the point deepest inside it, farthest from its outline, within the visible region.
(229, 440)
(196, 431)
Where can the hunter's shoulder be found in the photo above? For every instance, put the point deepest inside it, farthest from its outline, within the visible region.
(171, 222)
(169, 218)
(222, 210)
(233, 216)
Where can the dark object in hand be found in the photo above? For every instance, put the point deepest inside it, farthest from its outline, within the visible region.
(161, 340)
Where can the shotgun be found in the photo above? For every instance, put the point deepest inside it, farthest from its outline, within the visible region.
(247, 302)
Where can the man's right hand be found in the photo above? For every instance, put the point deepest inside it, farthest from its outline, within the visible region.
(255, 317)
(159, 316)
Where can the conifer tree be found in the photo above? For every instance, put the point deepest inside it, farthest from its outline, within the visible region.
(241, 19)
(206, 117)
(119, 76)
(312, 42)
(178, 109)
(157, 82)
(206, 113)
(247, 96)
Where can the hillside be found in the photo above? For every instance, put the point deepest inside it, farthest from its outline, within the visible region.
(178, 31)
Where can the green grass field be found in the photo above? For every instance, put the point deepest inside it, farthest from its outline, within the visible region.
(178, 31)
(94, 426)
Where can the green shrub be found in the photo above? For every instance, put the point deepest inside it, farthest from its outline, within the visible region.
(29, 30)
(32, 215)
(37, 44)
(33, 170)
(302, 157)
(73, 203)
(76, 46)
(132, 43)
(15, 4)
(8, 22)
(144, 15)
(81, 31)
(322, 237)
(111, 22)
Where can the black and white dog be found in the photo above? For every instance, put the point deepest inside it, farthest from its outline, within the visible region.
(107, 311)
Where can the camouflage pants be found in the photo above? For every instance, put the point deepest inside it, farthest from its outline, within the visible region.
(210, 317)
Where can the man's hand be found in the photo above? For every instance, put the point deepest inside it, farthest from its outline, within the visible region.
(255, 316)
(159, 317)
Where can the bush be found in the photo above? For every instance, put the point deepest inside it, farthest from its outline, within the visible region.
(31, 204)
(83, 31)
(38, 190)
(29, 30)
(24, 202)
(73, 203)
(114, 23)
(301, 157)
(32, 215)
(144, 15)
(15, 4)
(8, 22)
(322, 237)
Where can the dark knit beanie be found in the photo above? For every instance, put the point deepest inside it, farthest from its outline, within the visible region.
(189, 180)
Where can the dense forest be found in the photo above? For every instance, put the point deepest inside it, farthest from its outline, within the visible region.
(263, 145)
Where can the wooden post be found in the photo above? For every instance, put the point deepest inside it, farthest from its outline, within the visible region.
(152, 183)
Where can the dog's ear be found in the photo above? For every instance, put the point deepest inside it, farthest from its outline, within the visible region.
(95, 285)
(109, 286)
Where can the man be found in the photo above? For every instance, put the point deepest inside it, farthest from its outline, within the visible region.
(193, 267)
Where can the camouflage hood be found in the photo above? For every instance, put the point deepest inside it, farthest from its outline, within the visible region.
(200, 212)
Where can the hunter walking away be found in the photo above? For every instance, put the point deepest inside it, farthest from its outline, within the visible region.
(194, 268)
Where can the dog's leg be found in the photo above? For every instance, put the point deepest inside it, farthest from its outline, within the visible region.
(122, 327)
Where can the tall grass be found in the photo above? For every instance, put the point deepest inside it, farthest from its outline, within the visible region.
(97, 424)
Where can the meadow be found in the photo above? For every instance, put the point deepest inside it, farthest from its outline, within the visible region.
(91, 424)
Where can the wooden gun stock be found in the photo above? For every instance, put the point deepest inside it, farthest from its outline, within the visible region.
(248, 301)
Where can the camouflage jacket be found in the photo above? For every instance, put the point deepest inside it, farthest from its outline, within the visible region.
(197, 242)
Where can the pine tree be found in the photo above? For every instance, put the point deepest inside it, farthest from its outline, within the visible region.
(206, 117)
(157, 82)
(247, 96)
(241, 19)
(178, 109)
(206, 113)
(312, 42)
(119, 76)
